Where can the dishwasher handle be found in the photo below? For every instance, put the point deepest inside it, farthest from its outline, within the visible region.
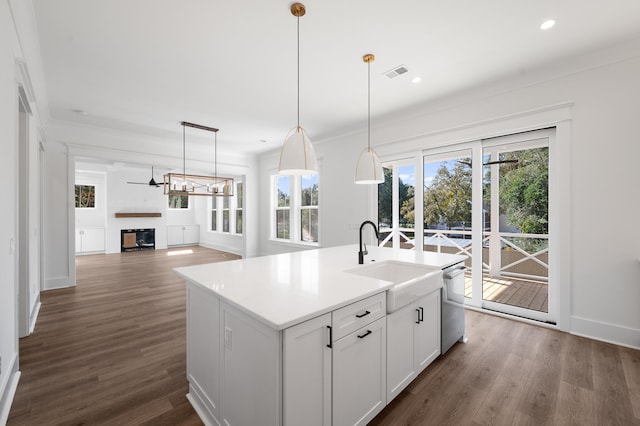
(453, 271)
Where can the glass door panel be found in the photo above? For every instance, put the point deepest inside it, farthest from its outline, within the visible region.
(396, 206)
(516, 236)
(447, 206)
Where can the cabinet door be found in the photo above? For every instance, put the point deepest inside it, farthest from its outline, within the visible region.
(307, 373)
(401, 349)
(203, 349)
(359, 375)
(79, 240)
(251, 370)
(174, 235)
(191, 234)
(428, 330)
(93, 240)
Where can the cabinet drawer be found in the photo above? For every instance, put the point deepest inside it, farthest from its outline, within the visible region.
(350, 318)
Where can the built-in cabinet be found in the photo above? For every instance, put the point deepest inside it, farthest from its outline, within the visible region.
(413, 341)
(328, 370)
(307, 373)
(90, 240)
(359, 375)
(183, 235)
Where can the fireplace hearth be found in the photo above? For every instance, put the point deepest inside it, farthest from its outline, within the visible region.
(137, 239)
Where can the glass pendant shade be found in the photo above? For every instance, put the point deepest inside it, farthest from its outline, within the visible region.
(297, 156)
(369, 168)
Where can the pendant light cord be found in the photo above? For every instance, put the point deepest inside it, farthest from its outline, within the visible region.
(184, 161)
(298, 33)
(215, 160)
(369, 106)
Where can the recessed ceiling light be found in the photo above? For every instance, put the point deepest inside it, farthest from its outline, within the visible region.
(547, 24)
(80, 111)
(262, 141)
(416, 80)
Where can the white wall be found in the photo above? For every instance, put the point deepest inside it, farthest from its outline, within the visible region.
(127, 198)
(59, 203)
(92, 217)
(20, 72)
(8, 231)
(601, 174)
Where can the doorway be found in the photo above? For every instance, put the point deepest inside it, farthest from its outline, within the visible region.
(489, 200)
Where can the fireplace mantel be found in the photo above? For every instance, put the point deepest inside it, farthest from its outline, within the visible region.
(122, 215)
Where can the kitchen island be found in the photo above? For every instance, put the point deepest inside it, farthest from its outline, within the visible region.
(299, 338)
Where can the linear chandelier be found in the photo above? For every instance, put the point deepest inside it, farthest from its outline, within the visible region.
(183, 184)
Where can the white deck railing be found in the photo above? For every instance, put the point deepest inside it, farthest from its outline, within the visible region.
(440, 238)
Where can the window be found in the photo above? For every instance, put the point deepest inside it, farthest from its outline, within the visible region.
(227, 212)
(396, 205)
(283, 207)
(295, 207)
(178, 201)
(239, 204)
(309, 208)
(85, 196)
(214, 213)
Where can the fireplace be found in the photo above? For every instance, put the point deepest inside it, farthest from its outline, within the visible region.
(137, 239)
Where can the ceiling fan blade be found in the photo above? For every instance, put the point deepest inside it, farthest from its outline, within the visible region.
(488, 163)
(138, 183)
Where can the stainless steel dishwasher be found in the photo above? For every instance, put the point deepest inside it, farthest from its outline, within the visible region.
(452, 306)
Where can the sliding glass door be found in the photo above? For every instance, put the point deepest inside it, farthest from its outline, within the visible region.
(515, 248)
(447, 205)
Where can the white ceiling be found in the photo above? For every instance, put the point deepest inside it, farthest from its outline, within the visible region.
(146, 65)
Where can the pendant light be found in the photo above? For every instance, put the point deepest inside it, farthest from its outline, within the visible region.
(183, 184)
(369, 168)
(297, 156)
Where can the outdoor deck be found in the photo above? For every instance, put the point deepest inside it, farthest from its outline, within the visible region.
(525, 294)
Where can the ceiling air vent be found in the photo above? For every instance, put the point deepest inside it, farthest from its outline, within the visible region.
(400, 69)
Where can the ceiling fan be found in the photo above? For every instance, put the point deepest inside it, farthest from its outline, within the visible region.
(152, 182)
(488, 163)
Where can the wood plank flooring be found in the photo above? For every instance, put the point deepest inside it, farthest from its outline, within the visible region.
(112, 351)
(512, 291)
(512, 373)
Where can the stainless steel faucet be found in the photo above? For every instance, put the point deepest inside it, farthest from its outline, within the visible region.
(361, 253)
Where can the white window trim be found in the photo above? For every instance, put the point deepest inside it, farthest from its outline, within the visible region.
(220, 215)
(189, 202)
(295, 208)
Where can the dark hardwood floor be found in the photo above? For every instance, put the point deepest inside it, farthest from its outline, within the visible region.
(112, 351)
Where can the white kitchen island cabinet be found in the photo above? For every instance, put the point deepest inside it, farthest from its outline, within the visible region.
(413, 341)
(307, 373)
(359, 375)
(295, 338)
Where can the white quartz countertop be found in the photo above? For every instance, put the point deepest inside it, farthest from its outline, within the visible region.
(286, 289)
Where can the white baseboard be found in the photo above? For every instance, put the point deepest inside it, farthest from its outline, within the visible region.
(9, 390)
(33, 317)
(609, 333)
(56, 283)
(222, 248)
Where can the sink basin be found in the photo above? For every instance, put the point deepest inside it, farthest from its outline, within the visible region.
(411, 280)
